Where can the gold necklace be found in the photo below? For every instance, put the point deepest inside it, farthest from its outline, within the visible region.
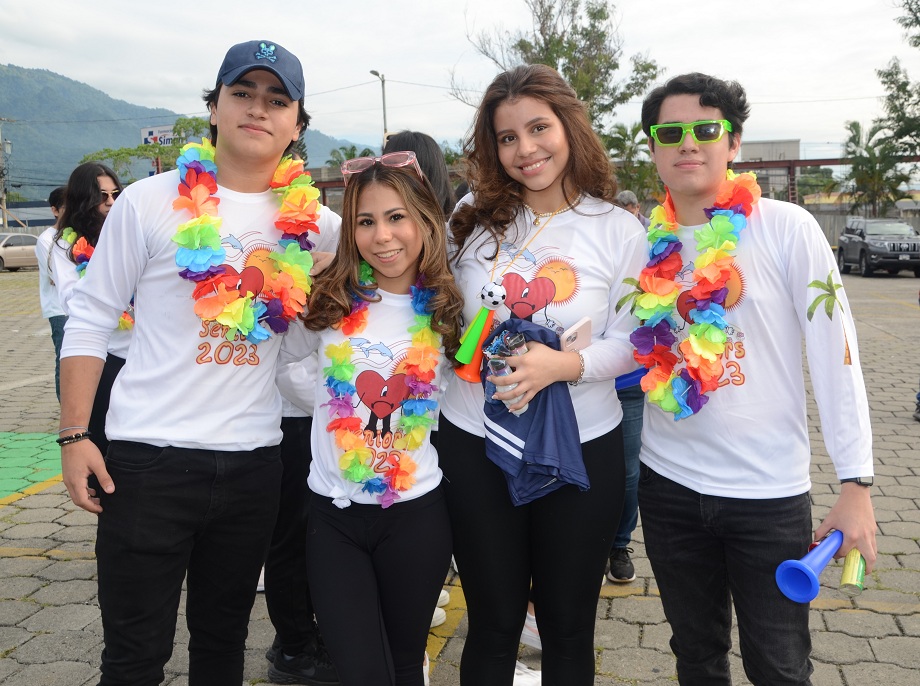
(537, 216)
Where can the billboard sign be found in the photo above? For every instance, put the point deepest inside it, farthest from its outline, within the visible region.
(157, 134)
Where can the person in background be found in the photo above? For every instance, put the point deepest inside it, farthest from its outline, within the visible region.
(91, 192)
(216, 256)
(730, 291)
(430, 158)
(629, 201)
(47, 290)
(620, 567)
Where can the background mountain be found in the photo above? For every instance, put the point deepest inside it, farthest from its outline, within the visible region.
(59, 120)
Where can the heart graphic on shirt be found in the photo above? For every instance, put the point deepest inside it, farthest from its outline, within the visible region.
(381, 396)
(251, 279)
(525, 298)
(685, 303)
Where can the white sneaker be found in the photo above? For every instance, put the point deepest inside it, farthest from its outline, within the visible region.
(444, 598)
(530, 634)
(260, 587)
(525, 676)
(438, 618)
(426, 667)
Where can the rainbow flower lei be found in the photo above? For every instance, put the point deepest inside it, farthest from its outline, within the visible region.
(417, 410)
(217, 294)
(682, 391)
(82, 252)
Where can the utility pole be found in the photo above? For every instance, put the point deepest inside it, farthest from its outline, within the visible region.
(4, 152)
(383, 92)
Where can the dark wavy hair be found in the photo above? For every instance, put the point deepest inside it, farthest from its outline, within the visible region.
(498, 197)
(331, 296)
(82, 200)
(728, 96)
(430, 158)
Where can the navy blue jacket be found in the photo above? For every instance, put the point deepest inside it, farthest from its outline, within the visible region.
(539, 451)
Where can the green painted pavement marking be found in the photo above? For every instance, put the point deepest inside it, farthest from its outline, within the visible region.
(27, 459)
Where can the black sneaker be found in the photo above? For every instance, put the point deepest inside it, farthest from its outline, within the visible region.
(917, 413)
(272, 652)
(312, 668)
(620, 569)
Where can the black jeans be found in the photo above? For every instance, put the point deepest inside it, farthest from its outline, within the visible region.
(287, 593)
(375, 575)
(113, 365)
(707, 552)
(560, 541)
(204, 513)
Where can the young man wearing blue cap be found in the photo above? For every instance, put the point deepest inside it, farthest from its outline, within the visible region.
(216, 263)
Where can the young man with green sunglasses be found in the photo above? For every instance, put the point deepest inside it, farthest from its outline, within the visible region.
(731, 290)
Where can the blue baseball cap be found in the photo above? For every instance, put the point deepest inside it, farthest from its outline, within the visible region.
(267, 55)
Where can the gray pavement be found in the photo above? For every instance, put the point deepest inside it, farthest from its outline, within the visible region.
(50, 630)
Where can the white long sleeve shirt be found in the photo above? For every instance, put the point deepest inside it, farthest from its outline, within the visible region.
(184, 383)
(47, 290)
(751, 439)
(572, 268)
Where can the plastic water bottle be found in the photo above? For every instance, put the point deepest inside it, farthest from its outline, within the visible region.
(498, 367)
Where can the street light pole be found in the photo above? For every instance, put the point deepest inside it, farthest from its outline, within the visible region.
(5, 151)
(383, 91)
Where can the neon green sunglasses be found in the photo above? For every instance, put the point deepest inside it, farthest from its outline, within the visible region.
(708, 131)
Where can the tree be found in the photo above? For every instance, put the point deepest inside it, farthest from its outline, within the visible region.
(628, 148)
(121, 160)
(875, 178)
(811, 180)
(579, 40)
(342, 153)
(902, 102)
(451, 154)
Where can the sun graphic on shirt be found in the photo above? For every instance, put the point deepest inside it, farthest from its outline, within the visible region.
(737, 287)
(260, 256)
(562, 273)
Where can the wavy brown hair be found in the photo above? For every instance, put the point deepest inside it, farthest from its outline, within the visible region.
(498, 197)
(331, 297)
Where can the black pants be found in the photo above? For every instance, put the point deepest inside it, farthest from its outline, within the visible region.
(113, 365)
(560, 541)
(287, 593)
(375, 575)
(202, 513)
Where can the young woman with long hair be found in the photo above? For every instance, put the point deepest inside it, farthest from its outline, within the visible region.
(385, 318)
(541, 223)
(91, 191)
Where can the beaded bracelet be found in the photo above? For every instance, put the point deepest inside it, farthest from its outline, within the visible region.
(581, 373)
(73, 438)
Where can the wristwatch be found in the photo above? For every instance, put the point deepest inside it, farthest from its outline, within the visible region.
(861, 480)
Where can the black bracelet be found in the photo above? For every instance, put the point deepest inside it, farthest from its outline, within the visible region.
(74, 438)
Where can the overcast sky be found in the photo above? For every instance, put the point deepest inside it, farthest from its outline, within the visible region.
(808, 65)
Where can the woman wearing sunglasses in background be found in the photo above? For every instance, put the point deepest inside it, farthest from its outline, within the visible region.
(541, 221)
(382, 316)
(91, 191)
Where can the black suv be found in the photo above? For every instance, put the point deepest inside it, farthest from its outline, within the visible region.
(878, 244)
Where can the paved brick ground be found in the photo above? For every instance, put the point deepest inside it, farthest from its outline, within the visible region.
(50, 631)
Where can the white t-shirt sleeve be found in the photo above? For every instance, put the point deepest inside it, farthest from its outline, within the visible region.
(298, 366)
